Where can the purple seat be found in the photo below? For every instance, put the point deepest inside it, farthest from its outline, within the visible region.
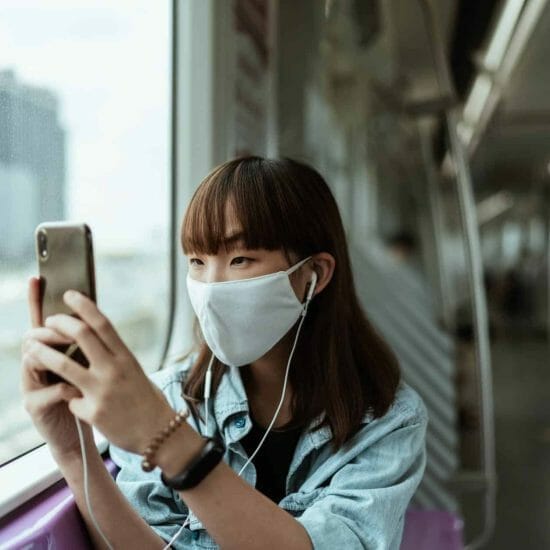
(432, 530)
(52, 520)
(49, 520)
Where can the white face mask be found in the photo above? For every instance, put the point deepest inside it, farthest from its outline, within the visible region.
(242, 320)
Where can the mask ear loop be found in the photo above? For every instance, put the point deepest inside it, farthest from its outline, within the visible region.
(297, 266)
(208, 382)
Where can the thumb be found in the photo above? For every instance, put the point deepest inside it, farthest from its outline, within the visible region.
(79, 407)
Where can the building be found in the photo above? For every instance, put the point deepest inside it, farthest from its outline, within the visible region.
(33, 158)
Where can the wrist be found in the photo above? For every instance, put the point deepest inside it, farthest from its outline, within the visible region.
(199, 467)
(178, 451)
(69, 455)
(70, 462)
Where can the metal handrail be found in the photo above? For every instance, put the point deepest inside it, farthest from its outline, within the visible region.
(434, 195)
(474, 263)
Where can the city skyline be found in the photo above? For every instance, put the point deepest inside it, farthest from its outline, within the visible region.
(32, 164)
(113, 106)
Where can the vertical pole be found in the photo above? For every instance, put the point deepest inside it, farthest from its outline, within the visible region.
(475, 272)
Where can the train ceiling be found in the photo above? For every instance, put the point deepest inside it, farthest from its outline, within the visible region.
(515, 151)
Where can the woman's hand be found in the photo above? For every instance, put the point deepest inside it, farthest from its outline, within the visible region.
(47, 403)
(116, 395)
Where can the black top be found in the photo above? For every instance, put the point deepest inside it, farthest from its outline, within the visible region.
(273, 459)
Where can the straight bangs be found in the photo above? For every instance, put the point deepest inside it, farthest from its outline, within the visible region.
(249, 192)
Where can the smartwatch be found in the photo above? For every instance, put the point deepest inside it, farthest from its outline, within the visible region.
(199, 467)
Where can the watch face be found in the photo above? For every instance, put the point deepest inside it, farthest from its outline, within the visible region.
(199, 467)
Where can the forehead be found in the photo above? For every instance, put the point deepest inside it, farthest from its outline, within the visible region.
(232, 222)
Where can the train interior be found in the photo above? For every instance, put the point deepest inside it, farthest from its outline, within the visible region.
(429, 120)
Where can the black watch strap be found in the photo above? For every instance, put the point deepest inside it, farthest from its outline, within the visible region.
(199, 467)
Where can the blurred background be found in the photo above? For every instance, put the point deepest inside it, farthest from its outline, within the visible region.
(430, 120)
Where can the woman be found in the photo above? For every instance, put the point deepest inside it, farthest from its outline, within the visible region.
(298, 381)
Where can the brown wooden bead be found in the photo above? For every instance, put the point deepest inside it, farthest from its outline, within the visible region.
(148, 463)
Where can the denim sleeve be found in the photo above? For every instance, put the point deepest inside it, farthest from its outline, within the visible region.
(153, 501)
(160, 506)
(364, 504)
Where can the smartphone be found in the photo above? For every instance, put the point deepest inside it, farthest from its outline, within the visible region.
(65, 259)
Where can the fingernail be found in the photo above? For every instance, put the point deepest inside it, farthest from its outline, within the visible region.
(69, 295)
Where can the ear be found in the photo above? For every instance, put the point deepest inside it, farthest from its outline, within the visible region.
(323, 263)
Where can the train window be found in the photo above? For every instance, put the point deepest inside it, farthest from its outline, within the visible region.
(84, 135)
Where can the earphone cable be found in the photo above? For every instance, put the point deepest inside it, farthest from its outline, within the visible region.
(280, 401)
(86, 495)
(207, 385)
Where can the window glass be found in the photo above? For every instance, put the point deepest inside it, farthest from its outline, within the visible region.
(84, 130)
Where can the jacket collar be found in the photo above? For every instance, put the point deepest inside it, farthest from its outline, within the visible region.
(231, 410)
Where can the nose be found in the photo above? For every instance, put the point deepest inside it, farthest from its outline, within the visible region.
(214, 272)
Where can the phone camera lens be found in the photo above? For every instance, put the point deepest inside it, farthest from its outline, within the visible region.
(42, 244)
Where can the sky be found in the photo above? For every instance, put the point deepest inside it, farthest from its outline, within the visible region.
(109, 64)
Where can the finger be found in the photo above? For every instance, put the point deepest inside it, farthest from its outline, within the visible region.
(33, 374)
(55, 361)
(89, 312)
(38, 402)
(46, 335)
(35, 301)
(80, 407)
(82, 334)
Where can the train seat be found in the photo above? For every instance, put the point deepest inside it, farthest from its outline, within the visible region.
(432, 530)
(52, 520)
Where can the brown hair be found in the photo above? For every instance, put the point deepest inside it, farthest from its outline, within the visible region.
(341, 366)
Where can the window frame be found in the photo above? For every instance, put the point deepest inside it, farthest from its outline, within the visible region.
(39, 470)
(29, 474)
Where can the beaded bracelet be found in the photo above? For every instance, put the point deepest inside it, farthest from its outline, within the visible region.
(148, 464)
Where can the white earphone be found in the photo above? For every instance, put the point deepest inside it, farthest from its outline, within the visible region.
(312, 285)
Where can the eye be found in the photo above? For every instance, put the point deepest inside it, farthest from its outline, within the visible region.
(240, 260)
(195, 261)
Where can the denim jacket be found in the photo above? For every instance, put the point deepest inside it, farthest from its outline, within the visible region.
(354, 499)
